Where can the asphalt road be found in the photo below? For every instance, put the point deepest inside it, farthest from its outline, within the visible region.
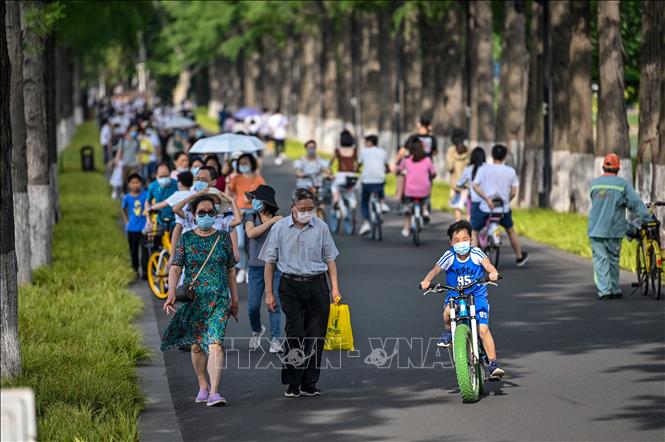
(576, 368)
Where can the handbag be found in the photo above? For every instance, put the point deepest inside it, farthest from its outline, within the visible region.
(185, 293)
(339, 334)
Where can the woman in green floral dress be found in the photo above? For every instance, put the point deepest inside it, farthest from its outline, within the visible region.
(202, 322)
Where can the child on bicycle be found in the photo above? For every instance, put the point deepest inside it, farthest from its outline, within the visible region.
(464, 264)
(419, 171)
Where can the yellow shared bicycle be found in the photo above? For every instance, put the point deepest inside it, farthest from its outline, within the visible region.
(158, 243)
(649, 255)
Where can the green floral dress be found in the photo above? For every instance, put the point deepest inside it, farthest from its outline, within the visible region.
(202, 321)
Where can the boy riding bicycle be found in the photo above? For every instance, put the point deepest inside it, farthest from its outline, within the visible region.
(464, 264)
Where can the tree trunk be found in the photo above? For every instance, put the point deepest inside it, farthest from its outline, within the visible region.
(328, 114)
(52, 86)
(650, 172)
(252, 72)
(10, 356)
(181, 90)
(531, 171)
(411, 74)
(448, 108)
(580, 132)
(482, 120)
(512, 100)
(19, 163)
(308, 105)
(612, 120)
(39, 192)
(385, 48)
(216, 75)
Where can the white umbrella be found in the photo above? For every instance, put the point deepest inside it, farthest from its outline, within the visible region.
(179, 123)
(227, 143)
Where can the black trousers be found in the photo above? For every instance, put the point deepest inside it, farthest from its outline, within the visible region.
(136, 246)
(306, 305)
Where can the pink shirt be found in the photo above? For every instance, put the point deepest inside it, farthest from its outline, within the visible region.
(418, 181)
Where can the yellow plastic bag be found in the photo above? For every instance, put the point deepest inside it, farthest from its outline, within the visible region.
(339, 335)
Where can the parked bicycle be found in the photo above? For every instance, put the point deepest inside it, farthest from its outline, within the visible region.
(469, 355)
(344, 212)
(489, 238)
(649, 256)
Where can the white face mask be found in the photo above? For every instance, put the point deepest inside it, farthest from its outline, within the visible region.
(303, 217)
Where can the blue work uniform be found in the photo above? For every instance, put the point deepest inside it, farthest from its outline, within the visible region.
(461, 272)
(610, 197)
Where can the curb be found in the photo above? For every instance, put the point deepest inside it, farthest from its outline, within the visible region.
(158, 421)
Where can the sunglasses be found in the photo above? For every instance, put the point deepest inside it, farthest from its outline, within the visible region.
(211, 212)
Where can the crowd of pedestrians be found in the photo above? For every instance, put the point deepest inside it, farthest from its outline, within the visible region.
(226, 228)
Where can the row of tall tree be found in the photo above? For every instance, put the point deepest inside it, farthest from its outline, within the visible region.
(47, 50)
(379, 65)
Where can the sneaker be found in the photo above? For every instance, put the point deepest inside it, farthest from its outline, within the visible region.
(406, 233)
(240, 277)
(292, 391)
(310, 391)
(279, 161)
(445, 339)
(202, 396)
(617, 295)
(385, 208)
(216, 400)
(255, 340)
(364, 229)
(276, 346)
(494, 370)
(605, 297)
(521, 261)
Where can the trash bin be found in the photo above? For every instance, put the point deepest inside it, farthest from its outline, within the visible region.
(87, 159)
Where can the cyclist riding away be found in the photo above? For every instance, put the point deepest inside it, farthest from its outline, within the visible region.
(346, 157)
(610, 197)
(497, 182)
(457, 159)
(419, 172)
(464, 264)
(466, 180)
(374, 161)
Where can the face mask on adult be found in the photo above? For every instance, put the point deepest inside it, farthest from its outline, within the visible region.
(182, 169)
(257, 205)
(303, 217)
(205, 222)
(164, 181)
(199, 185)
(133, 134)
(462, 248)
(244, 168)
(311, 151)
(195, 170)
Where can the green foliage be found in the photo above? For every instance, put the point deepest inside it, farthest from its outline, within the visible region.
(41, 20)
(79, 347)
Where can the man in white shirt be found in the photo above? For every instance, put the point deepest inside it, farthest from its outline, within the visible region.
(374, 161)
(311, 169)
(278, 124)
(105, 137)
(497, 184)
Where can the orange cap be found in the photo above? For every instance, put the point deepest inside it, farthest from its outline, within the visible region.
(612, 161)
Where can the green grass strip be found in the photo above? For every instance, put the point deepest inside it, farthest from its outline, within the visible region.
(78, 342)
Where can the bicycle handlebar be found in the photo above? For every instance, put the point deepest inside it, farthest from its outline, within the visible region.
(656, 204)
(439, 288)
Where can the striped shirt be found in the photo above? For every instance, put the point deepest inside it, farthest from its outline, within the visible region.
(462, 272)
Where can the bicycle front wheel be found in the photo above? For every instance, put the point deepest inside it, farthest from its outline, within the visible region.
(157, 275)
(466, 366)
